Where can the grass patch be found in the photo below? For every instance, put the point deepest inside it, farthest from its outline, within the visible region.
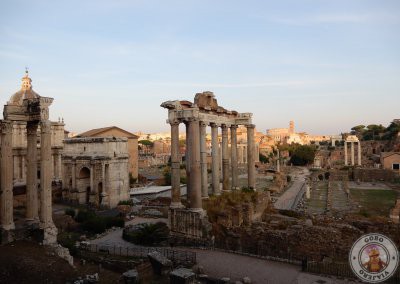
(374, 202)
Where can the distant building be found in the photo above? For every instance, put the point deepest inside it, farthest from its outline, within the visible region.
(96, 171)
(114, 131)
(391, 161)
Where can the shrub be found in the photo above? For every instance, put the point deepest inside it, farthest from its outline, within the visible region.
(288, 178)
(147, 234)
(70, 212)
(126, 202)
(68, 240)
(84, 215)
(95, 225)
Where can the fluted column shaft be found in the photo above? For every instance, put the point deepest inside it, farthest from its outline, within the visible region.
(6, 177)
(203, 160)
(215, 159)
(175, 167)
(352, 153)
(359, 153)
(234, 158)
(32, 208)
(345, 154)
(250, 157)
(195, 169)
(225, 158)
(45, 174)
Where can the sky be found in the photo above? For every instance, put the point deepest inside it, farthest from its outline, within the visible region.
(326, 64)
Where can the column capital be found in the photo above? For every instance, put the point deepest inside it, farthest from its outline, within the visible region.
(234, 126)
(175, 122)
(6, 126)
(250, 126)
(224, 126)
(214, 125)
(203, 124)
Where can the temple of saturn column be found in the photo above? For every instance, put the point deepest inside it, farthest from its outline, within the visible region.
(29, 108)
(351, 139)
(196, 116)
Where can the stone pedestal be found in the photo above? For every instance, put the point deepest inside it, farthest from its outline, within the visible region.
(6, 177)
(215, 159)
(225, 159)
(189, 224)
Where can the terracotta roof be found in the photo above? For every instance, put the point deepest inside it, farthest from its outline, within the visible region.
(384, 155)
(97, 131)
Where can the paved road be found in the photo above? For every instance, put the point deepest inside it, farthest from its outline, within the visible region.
(287, 199)
(220, 264)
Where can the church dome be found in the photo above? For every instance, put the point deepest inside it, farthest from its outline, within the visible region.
(26, 91)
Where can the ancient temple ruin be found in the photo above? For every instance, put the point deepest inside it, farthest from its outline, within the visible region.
(28, 108)
(196, 116)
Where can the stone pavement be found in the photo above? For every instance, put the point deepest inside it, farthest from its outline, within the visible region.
(221, 264)
(287, 199)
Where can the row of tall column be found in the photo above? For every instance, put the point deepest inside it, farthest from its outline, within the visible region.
(6, 175)
(196, 161)
(346, 160)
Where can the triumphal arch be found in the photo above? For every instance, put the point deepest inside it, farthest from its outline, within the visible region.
(197, 116)
(27, 107)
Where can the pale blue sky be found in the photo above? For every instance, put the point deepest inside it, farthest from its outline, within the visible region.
(328, 65)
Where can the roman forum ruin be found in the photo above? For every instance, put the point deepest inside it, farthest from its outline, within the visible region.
(196, 116)
(352, 139)
(27, 107)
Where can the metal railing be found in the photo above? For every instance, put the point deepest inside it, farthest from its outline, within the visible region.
(172, 254)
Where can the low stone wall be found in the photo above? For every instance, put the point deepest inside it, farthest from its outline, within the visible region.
(371, 175)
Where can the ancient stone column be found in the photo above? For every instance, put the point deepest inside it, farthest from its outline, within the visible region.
(203, 160)
(251, 168)
(225, 158)
(345, 154)
(234, 158)
(359, 153)
(32, 209)
(6, 177)
(187, 158)
(175, 167)
(215, 159)
(195, 169)
(45, 175)
(278, 162)
(352, 153)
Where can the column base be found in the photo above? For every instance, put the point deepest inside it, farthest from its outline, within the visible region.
(176, 205)
(235, 188)
(50, 232)
(6, 236)
(8, 227)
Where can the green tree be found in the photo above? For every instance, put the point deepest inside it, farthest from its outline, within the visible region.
(263, 159)
(303, 155)
(146, 142)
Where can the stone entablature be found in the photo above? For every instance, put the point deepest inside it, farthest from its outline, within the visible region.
(96, 171)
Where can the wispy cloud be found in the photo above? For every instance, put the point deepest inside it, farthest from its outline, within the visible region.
(339, 18)
(288, 83)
